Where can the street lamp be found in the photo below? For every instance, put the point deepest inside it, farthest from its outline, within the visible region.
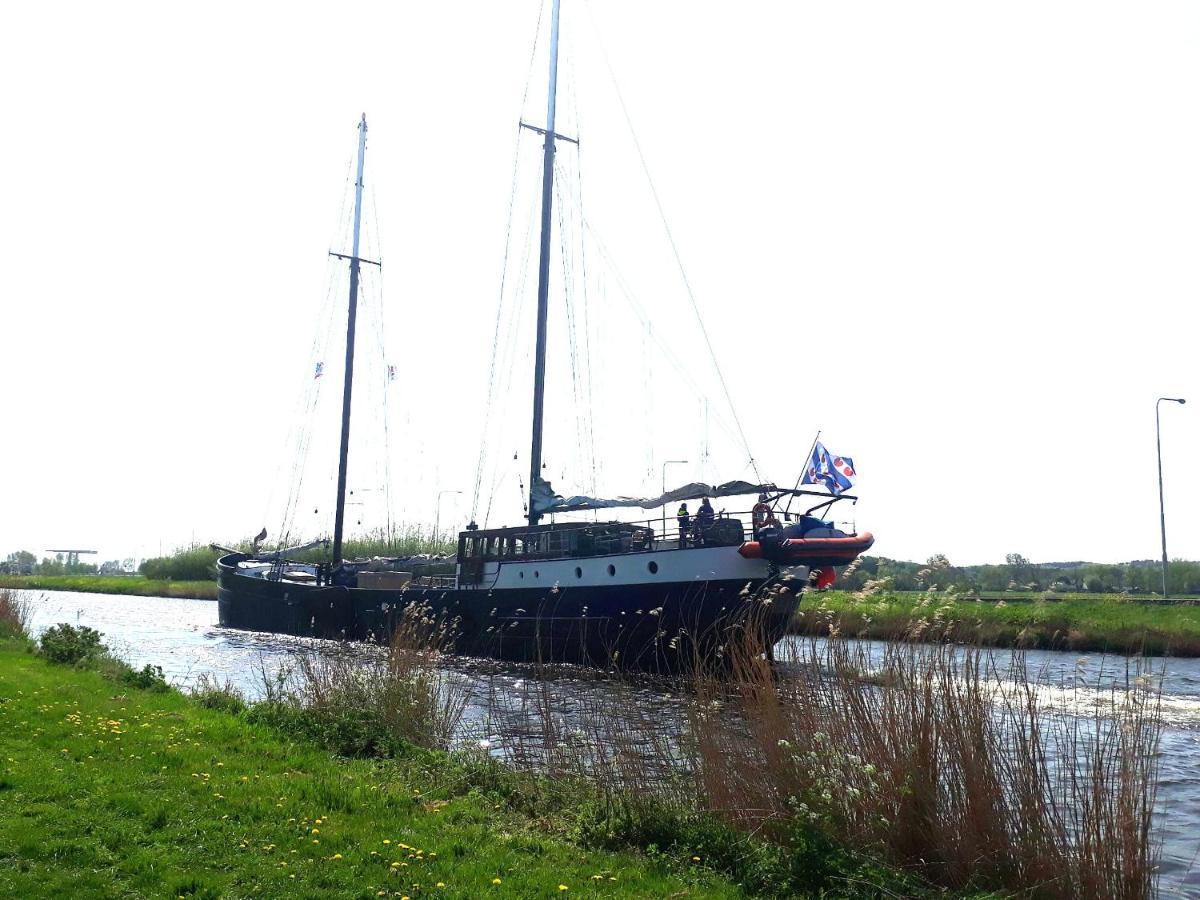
(669, 462)
(1162, 513)
(437, 516)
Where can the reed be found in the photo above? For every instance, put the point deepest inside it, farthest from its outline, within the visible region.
(14, 614)
(975, 773)
(935, 760)
(374, 705)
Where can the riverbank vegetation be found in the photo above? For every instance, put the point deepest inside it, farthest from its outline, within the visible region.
(1018, 574)
(117, 584)
(1115, 623)
(925, 770)
(110, 789)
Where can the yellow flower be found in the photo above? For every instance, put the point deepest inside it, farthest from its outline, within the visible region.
(563, 887)
(386, 841)
(495, 881)
(316, 831)
(695, 859)
(337, 856)
(440, 884)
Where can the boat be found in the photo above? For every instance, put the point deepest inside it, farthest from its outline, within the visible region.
(649, 595)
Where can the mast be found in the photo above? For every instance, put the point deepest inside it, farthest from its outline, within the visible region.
(539, 370)
(350, 321)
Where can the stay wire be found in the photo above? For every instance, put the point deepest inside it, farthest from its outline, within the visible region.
(674, 248)
(504, 269)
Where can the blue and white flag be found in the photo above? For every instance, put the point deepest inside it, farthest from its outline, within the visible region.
(320, 370)
(834, 472)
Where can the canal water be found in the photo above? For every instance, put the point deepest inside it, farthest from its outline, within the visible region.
(183, 637)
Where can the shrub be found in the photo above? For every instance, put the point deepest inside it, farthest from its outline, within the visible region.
(190, 564)
(149, 678)
(67, 644)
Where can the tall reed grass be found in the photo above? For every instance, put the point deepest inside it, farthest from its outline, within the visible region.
(15, 613)
(378, 703)
(939, 760)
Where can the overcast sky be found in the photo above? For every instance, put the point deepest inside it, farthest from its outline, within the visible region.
(959, 238)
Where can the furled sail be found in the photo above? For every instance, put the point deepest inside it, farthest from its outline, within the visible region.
(546, 501)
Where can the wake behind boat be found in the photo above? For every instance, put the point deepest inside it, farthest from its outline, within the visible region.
(633, 594)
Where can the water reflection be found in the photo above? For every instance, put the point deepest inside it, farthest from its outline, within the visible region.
(508, 704)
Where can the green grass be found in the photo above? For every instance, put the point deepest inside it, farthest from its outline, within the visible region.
(110, 791)
(1074, 621)
(113, 584)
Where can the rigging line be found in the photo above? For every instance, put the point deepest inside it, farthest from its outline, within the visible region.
(572, 342)
(381, 338)
(626, 292)
(504, 266)
(508, 357)
(674, 248)
(587, 326)
(300, 432)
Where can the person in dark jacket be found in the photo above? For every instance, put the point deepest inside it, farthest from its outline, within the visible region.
(685, 522)
(704, 519)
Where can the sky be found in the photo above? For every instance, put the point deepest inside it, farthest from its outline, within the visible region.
(958, 239)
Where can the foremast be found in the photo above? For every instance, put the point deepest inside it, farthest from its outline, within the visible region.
(539, 369)
(347, 390)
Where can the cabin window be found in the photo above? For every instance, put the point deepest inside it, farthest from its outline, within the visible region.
(653, 567)
(537, 574)
(578, 572)
(612, 570)
(522, 574)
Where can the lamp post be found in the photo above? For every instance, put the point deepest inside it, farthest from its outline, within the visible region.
(1162, 512)
(669, 462)
(437, 516)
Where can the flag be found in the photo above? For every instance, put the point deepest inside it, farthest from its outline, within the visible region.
(834, 472)
(391, 374)
(320, 370)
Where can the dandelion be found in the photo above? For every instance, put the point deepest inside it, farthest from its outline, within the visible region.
(495, 881)
(695, 859)
(337, 856)
(563, 887)
(440, 884)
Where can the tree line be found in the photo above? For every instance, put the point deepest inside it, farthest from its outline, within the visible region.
(1017, 573)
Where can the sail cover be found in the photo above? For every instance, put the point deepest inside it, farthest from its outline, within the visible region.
(546, 501)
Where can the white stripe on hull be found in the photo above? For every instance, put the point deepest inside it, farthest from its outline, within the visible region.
(645, 568)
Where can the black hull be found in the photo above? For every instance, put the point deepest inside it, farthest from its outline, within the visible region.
(656, 627)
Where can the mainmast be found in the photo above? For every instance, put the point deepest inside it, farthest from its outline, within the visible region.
(350, 321)
(539, 370)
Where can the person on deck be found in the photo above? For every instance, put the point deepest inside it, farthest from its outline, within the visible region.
(762, 516)
(704, 519)
(760, 513)
(685, 521)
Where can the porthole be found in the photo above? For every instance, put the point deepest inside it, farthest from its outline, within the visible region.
(536, 574)
(578, 572)
(522, 574)
(612, 570)
(653, 567)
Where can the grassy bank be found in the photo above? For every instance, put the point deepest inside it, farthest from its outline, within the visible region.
(1076, 622)
(102, 584)
(111, 791)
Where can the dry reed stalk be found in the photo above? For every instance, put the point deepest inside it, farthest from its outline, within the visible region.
(402, 690)
(15, 612)
(935, 759)
(944, 760)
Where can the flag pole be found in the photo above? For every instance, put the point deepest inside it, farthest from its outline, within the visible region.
(807, 461)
